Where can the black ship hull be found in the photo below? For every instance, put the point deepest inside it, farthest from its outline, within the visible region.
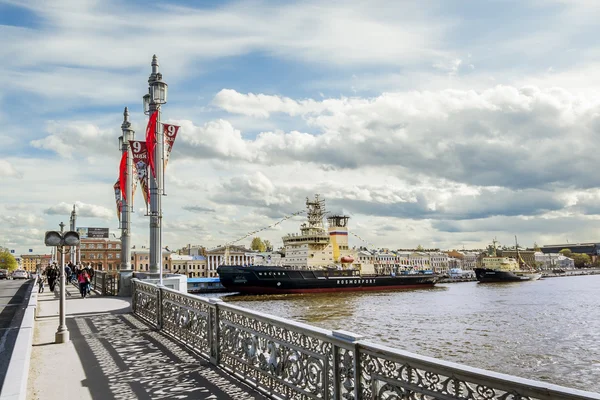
(486, 275)
(281, 280)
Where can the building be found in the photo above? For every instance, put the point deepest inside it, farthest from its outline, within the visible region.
(238, 255)
(140, 260)
(553, 261)
(104, 254)
(191, 266)
(35, 262)
(591, 249)
(465, 260)
(438, 261)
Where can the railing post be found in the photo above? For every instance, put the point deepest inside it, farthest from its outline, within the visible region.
(346, 365)
(213, 329)
(159, 317)
(133, 289)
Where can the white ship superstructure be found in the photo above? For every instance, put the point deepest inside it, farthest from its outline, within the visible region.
(318, 247)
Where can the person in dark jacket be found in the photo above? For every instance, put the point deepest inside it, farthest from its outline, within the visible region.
(52, 276)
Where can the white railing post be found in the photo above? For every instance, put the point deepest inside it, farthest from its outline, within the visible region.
(346, 365)
(213, 330)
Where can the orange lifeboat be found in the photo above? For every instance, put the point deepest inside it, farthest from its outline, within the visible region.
(346, 259)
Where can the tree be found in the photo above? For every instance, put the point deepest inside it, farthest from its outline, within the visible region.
(7, 261)
(258, 244)
(566, 252)
(536, 247)
(268, 245)
(581, 260)
(419, 248)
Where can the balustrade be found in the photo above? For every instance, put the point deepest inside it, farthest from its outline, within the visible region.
(290, 360)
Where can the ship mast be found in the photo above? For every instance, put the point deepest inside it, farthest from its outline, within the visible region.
(316, 211)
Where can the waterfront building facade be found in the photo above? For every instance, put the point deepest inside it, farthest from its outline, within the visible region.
(553, 261)
(191, 266)
(438, 261)
(592, 249)
(238, 255)
(140, 259)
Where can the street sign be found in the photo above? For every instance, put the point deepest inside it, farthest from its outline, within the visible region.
(94, 233)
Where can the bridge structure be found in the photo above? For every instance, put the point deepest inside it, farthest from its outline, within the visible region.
(162, 343)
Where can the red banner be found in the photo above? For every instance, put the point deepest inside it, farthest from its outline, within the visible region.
(139, 153)
(151, 140)
(170, 133)
(123, 175)
(117, 187)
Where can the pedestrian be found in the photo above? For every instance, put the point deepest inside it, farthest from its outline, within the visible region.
(41, 284)
(91, 272)
(84, 280)
(52, 276)
(68, 272)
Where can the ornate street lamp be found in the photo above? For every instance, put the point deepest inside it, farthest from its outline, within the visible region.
(156, 97)
(60, 240)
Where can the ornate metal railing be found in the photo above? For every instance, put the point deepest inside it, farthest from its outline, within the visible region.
(290, 360)
(106, 283)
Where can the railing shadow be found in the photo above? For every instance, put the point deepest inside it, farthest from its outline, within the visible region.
(125, 358)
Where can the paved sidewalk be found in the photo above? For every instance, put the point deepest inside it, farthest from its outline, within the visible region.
(114, 355)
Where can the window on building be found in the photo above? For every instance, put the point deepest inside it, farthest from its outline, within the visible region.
(141, 266)
(110, 255)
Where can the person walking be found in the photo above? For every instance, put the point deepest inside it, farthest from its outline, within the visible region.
(52, 276)
(91, 272)
(41, 284)
(84, 280)
(68, 272)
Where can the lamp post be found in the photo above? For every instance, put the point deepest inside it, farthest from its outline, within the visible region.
(73, 221)
(127, 207)
(156, 97)
(62, 239)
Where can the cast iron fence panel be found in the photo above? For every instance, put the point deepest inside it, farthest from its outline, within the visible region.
(144, 301)
(186, 318)
(291, 360)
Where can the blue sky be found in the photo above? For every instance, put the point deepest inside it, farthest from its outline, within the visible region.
(438, 123)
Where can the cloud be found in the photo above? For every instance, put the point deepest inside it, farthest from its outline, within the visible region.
(503, 136)
(199, 209)
(21, 219)
(83, 210)
(7, 170)
(73, 137)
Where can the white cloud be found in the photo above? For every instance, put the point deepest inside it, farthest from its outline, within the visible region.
(83, 210)
(7, 170)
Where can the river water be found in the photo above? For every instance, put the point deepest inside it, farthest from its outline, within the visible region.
(547, 330)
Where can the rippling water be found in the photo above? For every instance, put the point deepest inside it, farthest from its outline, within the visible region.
(546, 330)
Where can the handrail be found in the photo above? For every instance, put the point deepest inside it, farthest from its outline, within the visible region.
(286, 359)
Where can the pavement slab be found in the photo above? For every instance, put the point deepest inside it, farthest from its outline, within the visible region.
(114, 355)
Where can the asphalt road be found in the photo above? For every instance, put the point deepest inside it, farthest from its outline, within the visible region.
(13, 302)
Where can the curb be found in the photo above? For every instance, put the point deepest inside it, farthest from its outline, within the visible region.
(15, 381)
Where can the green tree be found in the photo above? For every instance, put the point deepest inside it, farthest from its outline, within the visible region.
(420, 248)
(536, 247)
(258, 244)
(7, 261)
(581, 260)
(566, 252)
(268, 245)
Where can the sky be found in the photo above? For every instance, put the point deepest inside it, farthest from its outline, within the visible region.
(439, 123)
